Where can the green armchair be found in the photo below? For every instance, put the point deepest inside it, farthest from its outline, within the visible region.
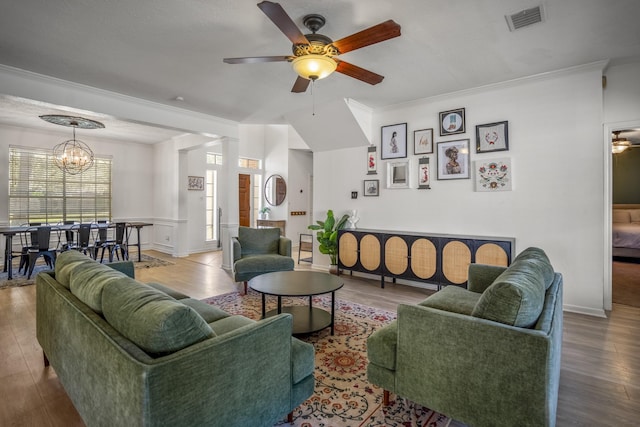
(489, 355)
(259, 250)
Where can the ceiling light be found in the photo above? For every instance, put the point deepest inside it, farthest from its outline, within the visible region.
(618, 145)
(73, 156)
(314, 67)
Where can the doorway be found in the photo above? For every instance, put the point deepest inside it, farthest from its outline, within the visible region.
(622, 273)
(244, 200)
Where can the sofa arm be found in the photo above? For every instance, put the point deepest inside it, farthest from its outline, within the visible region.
(476, 370)
(481, 276)
(284, 246)
(125, 267)
(221, 374)
(237, 248)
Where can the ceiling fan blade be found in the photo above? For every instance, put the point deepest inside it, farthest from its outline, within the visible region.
(256, 59)
(300, 85)
(276, 13)
(358, 73)
(376, 34)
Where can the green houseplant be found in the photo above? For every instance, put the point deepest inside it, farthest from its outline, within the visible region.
(328, 235)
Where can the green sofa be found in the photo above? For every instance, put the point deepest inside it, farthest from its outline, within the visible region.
(486, 356)
(134, 354)
(259, 250)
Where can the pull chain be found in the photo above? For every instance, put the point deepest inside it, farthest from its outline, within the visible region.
(313, 98)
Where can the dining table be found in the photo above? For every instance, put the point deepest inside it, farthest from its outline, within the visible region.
(11, 231)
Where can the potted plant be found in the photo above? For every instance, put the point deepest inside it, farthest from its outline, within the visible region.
(264, 212)
(328, 237)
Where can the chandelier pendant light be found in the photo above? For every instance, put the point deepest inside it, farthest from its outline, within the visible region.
(73, 156)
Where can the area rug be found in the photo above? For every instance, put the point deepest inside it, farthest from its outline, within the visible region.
(19, 279)
(343, 396)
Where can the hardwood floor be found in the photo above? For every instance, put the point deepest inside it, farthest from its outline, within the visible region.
(599, 384)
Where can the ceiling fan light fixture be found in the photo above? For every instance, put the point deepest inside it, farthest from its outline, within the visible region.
(618, 145)
(314, 67)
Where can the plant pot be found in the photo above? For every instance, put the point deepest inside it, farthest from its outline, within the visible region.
(333, 269)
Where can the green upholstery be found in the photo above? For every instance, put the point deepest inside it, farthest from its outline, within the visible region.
(478, 371)
(260, 250)
(247, 373)
(154, 321)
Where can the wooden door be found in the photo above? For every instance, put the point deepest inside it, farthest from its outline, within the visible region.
(244, 200)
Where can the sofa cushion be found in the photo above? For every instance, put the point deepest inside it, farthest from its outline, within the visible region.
(263, 264)
(151, 319)
(88, 280)
(65, 263)
(382, 346)
(171, 292)
(540, 262)
(259, 240)
(454, 299)
(208, 312)
(516, 297)
(302, 360)
(621, 216)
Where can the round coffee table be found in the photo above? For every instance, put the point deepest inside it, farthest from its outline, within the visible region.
(299, 284)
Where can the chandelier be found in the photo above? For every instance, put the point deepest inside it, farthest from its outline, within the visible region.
(73, 156)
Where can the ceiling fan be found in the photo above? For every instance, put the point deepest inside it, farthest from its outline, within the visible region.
(314, 55)
(619, 144)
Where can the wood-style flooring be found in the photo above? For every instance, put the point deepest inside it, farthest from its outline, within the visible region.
(599, 383)
(626, 281)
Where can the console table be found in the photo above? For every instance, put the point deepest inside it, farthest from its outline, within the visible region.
(441, 259)
(276, 223)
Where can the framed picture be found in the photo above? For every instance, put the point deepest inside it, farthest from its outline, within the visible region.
(372, 160)
(453, 159)
(371, 187)
(492, 137)
(393, 142)
(452, 122)
(493, 175)
(398, 174)
(196, 183)
(423, 141)
(424, 174)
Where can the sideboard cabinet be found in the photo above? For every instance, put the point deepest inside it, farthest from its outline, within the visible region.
(276, 223)
(440, 259)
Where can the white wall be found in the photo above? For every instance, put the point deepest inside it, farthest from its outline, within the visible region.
(299, 193)
(555, 144)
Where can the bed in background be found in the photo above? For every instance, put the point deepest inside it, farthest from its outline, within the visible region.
(626, 230)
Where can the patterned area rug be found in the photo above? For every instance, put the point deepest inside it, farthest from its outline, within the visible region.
(19, 279)
(343, 396)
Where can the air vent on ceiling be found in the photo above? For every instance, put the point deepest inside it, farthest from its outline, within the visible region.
(525, 18)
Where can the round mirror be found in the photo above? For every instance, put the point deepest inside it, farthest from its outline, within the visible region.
(275, 190)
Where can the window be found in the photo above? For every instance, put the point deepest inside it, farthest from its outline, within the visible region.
(40, 192)
(211, 203)
(247, 163)
(214, 159)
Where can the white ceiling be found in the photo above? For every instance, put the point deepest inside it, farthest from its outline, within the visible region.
(160, 50)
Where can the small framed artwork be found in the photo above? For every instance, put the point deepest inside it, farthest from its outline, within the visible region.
(452, 122)
(493, 175)
(371, 187)
(423, 141)
(393, 142)
(196, 183)
(398, 174)
(372, 161)
(424, 174)
(453, 159)
(492, 137)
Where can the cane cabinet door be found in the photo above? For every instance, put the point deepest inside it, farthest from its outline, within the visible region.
(424, 256)
(370, 252)
(396, 255)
